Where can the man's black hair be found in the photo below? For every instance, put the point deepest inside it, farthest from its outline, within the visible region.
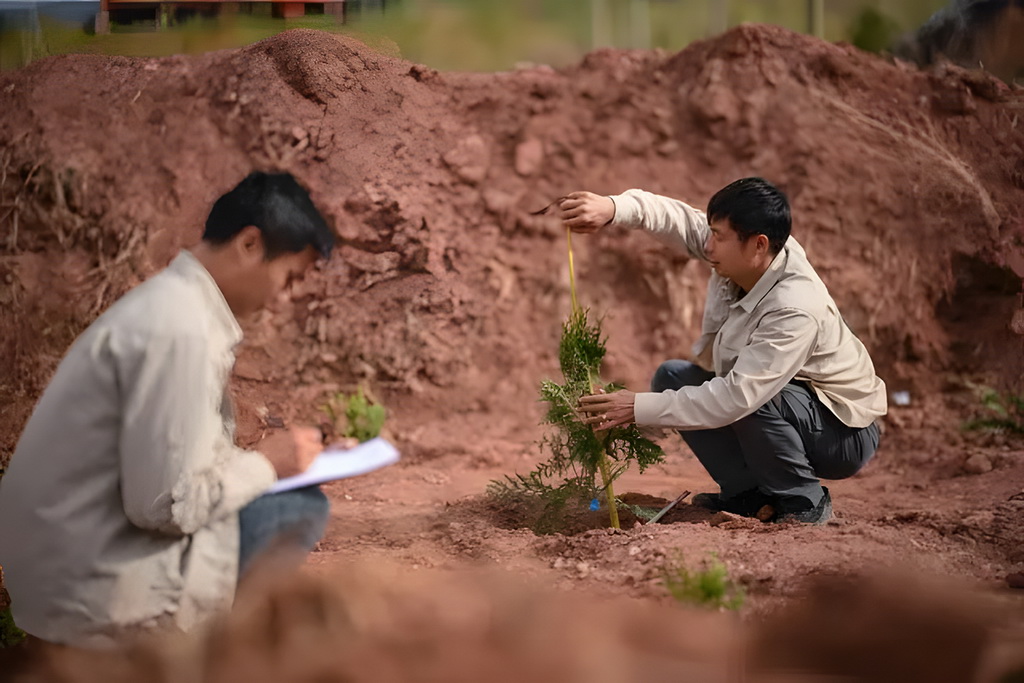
(753, 206)
(281, 209)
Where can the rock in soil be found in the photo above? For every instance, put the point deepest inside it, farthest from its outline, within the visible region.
(979, 463)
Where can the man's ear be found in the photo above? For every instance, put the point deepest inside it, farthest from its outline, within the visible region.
(249, 244)
(763, 245)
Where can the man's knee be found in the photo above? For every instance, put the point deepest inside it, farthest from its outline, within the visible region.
(304, 525)
(674, 374)
(315, 500)
(773, 422)
(317, 508)
(301, 513)
(789, 404)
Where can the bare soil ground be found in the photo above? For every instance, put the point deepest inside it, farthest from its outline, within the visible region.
(446, 296)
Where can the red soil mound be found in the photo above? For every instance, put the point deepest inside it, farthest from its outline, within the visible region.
(378, 623)
(446, 295)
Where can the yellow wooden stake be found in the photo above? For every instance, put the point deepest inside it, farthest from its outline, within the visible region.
(572, 272)
(609, 491)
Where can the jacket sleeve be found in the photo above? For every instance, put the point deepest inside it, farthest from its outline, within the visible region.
(673, 222)
(778, 348)
(179, 467)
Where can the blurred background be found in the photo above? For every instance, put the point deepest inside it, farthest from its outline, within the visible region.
(473, 35)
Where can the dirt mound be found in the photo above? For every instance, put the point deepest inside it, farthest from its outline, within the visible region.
(446, 296)
(375, 624)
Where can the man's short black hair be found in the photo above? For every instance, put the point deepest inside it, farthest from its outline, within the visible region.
(281, 209)
(753, 206)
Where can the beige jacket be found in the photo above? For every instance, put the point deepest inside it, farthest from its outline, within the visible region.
(786, 327)
(119, 511)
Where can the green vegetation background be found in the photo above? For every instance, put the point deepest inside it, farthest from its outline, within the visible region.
(482, 35)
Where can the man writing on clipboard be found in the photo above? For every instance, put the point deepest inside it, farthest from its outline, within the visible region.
(127, 506)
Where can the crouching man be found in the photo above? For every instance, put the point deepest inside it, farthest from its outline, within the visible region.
(127, 505)
(781, 393)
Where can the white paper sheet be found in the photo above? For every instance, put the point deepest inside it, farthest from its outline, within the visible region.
(336, 463)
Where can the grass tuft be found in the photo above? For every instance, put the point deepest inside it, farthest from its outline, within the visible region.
(708, 586)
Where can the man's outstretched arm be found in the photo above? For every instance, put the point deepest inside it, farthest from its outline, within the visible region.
(775, 354)
(778, 348)
(672, 221)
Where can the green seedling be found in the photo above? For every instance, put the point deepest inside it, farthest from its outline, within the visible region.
(577, 452)
(999, 411)
(709, 586)
(355, 416)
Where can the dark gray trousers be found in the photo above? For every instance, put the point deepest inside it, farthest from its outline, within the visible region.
(783, 448)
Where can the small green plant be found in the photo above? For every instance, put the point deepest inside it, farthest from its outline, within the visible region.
(355, 416)
(640, 512)
(709, 586)
(999, 411)
(10, 635)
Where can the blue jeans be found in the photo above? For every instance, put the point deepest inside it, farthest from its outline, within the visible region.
(294, 518)
(783, 448)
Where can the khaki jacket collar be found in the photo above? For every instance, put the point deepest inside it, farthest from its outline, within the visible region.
(765, 283)
(188, 266)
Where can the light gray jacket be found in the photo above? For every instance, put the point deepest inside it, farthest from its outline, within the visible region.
(119, 511)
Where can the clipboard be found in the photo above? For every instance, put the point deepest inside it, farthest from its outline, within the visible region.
(340, 463)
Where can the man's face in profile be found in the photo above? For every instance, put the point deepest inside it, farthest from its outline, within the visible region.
(254, 280)
(270, 278)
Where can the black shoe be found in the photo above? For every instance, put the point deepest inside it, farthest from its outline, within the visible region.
(799, 509)
(745, 504)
